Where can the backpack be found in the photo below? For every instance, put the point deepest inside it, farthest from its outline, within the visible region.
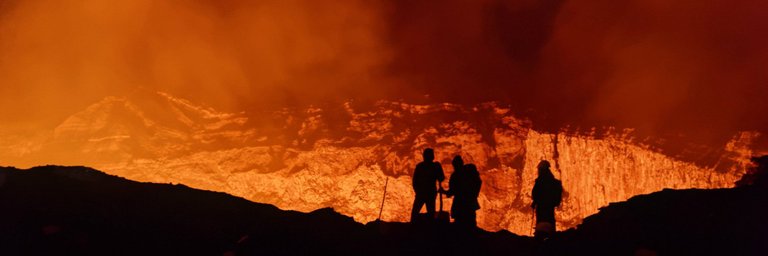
(550, 192)
(558, 193)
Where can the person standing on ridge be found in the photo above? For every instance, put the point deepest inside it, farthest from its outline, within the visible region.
(426, 176)
(465, 185)
(547, 194)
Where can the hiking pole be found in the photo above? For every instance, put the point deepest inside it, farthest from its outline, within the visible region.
(533, 221)
(384, 197)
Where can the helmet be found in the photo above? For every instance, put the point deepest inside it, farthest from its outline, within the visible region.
(544, 164)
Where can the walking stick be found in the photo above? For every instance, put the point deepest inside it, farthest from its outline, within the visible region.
(533, 221)
(384, 197)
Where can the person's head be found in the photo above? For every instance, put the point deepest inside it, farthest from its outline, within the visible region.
(428, 155)
(544, 170)
(457, 162)
(544, 164)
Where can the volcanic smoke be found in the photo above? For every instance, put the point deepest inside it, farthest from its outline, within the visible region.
(305, 105)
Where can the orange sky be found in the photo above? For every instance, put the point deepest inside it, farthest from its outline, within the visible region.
(696, 67)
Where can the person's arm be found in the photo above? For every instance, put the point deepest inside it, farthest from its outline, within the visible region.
(451, 185)
(442, 190)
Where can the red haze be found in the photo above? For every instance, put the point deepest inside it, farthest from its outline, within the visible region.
(665, 68)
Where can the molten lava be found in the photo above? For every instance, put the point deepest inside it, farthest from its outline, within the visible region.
(338, 156)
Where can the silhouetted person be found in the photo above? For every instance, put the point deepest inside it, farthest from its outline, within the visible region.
(425, 180)
(547, 194)
(465, 185)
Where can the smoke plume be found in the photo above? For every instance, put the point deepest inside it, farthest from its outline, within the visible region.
(695, 68)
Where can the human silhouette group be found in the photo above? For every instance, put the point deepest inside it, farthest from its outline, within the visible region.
(464, 187)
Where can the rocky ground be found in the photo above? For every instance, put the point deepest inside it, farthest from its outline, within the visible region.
(80, 211)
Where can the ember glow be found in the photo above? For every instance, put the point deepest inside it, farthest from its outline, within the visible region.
(304, 104)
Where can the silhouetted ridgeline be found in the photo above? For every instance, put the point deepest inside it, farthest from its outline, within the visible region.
(55, 210)
(92, 212)
(80, 211)
(679, 222)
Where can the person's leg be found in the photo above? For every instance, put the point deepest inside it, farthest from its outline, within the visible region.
(468, 220)
(430, 201)
(472, 219)
(417, 203)
(539, 215)
(551, 217)
(545, 214)
(457, 218)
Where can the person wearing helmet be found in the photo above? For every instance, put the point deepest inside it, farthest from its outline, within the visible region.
(547, 194)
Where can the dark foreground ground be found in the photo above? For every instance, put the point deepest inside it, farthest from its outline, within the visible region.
(80, 211)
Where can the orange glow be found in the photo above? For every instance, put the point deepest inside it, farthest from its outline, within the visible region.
(239, 54)
(304, 165)
(307, 104)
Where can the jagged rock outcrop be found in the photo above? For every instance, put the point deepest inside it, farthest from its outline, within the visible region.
(338, 156)
(53, 210)
(677, 222)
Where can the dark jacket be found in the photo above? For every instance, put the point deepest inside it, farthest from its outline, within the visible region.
(426, 176)
(465, 185)
(547, 192)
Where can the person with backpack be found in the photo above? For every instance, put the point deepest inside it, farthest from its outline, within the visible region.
(426, 176)
(465, 185)
(547, 194)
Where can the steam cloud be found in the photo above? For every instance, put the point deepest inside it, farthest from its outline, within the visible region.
(693, 67)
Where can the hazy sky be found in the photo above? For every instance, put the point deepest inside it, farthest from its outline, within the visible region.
(664, 67)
